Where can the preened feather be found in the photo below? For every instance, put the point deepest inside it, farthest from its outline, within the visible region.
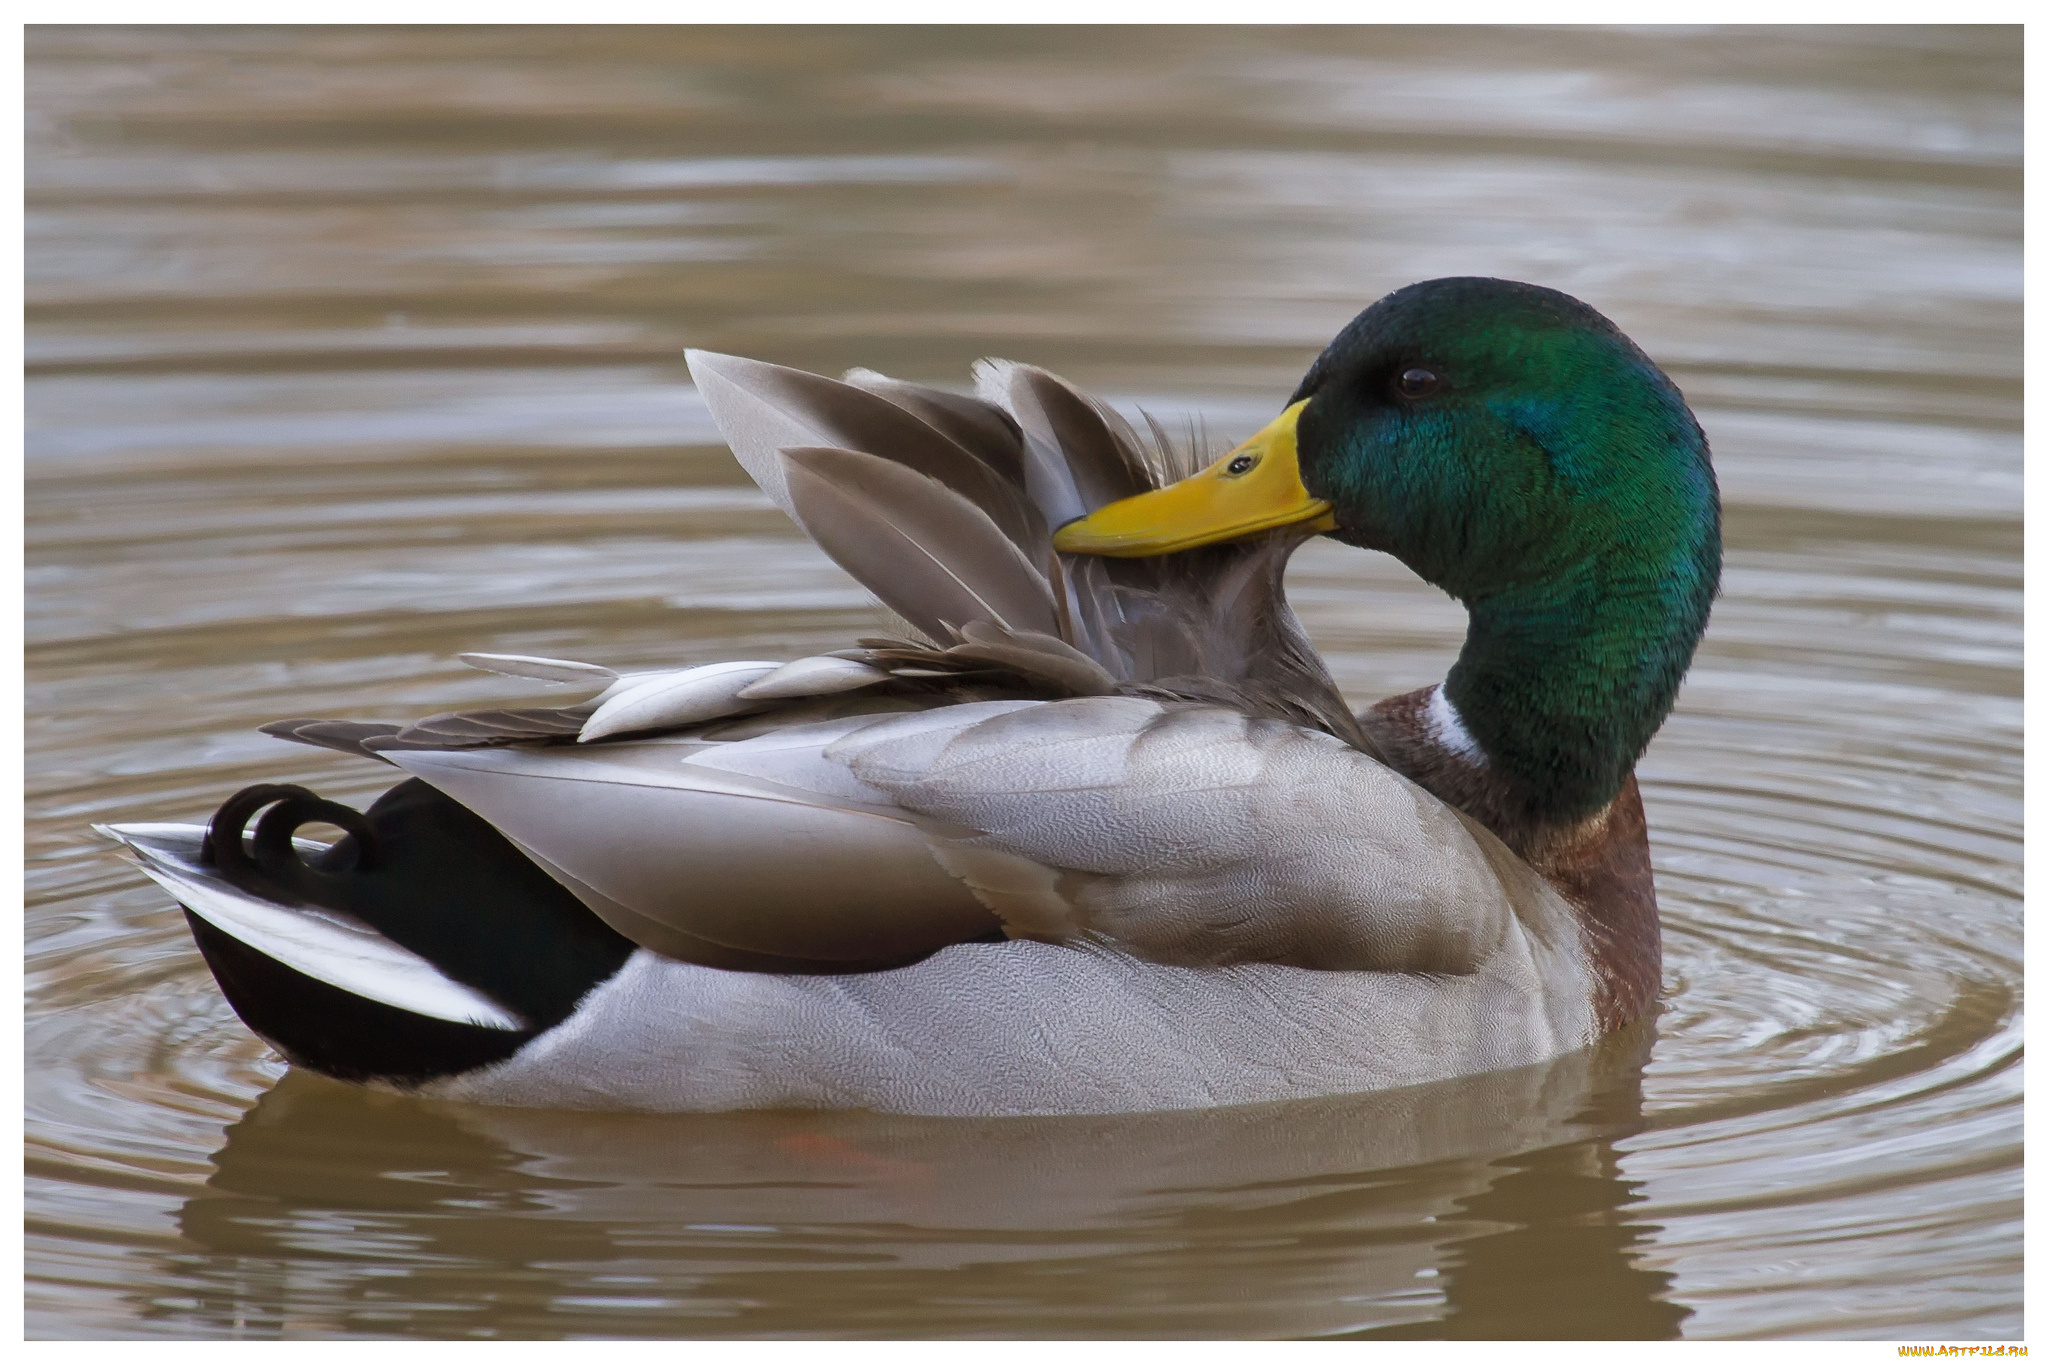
(925, 550)
(1210, 621)
(1071, 436)
(943, 512)
(1035, 655)
(984, 428)
(939, 504)
(1048, 480)
(779, 409)
(1026, 661)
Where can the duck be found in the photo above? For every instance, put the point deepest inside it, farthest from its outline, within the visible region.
(1094, 829)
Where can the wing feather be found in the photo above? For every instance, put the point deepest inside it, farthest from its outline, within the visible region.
(1199, 835)
(343, 736)
(500, 726)
(1035, 655)
(793, 865)
(925, 550)
(1082, 454)
(973, 423)
(1030, 451)
(772, 408)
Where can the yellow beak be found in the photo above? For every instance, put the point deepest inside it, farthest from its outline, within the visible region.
(1254, 488)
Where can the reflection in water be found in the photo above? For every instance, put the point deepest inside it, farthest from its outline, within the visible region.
(1561, 1262)
(1468, 1201)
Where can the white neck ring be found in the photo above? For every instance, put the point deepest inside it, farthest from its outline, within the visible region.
(1447, 728)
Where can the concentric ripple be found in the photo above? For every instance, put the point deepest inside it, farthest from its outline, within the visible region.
(354, 349)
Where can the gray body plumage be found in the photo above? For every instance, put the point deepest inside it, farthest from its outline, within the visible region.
(1137, 770)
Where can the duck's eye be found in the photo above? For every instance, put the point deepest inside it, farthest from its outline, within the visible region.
(1416, 383)
(1241, 465)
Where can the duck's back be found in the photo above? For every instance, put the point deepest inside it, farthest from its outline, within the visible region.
(1181, 832)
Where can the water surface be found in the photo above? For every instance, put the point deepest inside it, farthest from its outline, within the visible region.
(351, 349)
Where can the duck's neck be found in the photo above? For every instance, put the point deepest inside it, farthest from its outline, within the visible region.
(1562, 683)
(1535, 734)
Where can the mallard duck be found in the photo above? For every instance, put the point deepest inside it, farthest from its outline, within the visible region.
(1096, 831)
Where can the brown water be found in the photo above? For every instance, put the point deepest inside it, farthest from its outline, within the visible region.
(350, 349)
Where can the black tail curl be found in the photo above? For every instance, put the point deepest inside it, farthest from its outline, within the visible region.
(433, 877)
(269, 865)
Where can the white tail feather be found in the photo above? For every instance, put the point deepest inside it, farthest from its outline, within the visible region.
(324, 946)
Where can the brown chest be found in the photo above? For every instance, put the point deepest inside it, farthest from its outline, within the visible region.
(1600, 865)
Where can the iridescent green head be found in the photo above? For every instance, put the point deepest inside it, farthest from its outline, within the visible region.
(1511, 446)
(1494, 435)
